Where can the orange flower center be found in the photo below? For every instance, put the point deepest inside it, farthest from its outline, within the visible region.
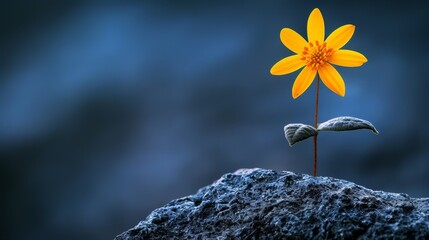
(315, 55)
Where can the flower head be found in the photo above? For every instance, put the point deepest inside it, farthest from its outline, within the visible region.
(317, 54)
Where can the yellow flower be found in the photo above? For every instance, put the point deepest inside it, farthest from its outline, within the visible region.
(317, 54)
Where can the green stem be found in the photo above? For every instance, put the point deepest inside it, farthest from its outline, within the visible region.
(315, 126)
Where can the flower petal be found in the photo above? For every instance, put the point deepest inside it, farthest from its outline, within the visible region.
(347, 58)
(338, 38)
(316, 27)
(332, 79)
(303, 81)
(287, 65)
(292, 40)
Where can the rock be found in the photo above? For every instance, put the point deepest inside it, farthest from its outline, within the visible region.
(264, 204)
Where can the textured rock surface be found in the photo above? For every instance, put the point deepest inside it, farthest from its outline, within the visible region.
(263, 204)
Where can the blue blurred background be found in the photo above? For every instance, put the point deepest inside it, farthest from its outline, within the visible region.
(109, 110)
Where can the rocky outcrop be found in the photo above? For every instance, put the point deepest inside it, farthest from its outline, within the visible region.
(264, 204)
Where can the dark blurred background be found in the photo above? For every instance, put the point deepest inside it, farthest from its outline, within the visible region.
(109, 110)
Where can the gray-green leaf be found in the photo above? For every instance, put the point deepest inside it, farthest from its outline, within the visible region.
(346, 124)
(296, 132)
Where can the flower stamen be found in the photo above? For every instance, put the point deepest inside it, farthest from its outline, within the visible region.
(316, 55)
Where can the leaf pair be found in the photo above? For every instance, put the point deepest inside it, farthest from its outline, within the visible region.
(296, 132)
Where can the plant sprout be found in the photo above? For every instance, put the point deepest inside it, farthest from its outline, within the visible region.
(315, 56)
